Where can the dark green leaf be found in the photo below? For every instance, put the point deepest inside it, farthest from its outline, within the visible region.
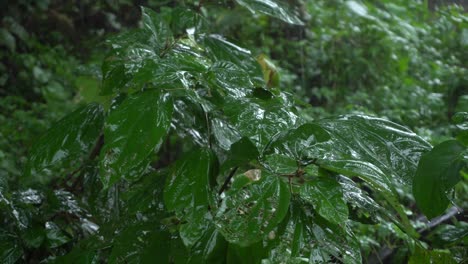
(133, 131)
(241, 152)
(55, 236)
(252, 208)
(210, 248)
(10, 248)
(326, 196)
(140, 244)
(438, 172)
(68, 140)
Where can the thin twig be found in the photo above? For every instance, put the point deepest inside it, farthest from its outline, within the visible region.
(228, 179)
(385, 253)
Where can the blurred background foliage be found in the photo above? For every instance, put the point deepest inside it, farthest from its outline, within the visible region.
(402, 60)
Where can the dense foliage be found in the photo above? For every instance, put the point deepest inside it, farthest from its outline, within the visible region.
(246, 131)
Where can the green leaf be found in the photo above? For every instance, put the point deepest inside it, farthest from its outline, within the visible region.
(132, 132)
(55, 236)
(258, 120)
(438, 171)
(236, 254)
(253, 206)
(358, 198)
(431, 256)
(161, 35)
(188, 193)
(275, 8)
(297, 143)
(210, 248)
(381, 152)
(326, 196)
(10, 248)
(67, 140)
(303, 236)
(7, 40)
(241, 152)
(229, 79)
(219, 49)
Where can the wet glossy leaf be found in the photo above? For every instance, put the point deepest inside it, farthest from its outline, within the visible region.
(299, 142)
(250, 210)
(281, 164)
(230, 79)
(55, 236)
(161, 35)
(219, 49)
(381, 152)
(187, 192)
(446, 235)
(224, 133)
(358, 198)
(305, 238)
(260, 123)
(69, 139)
(183, 21)
(336, 241)
(132, 132)
(326, 196)
(438, 171)
(274, 8)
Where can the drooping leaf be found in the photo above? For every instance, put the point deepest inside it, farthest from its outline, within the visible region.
(275, 8)
(253, 206)
(69, 139)
(270, 72)
(358, 198)
(132, 132)
(210, 248)
(326, 196)
(303, 238)
(188, 193)
(336, 241)
(438, 171)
